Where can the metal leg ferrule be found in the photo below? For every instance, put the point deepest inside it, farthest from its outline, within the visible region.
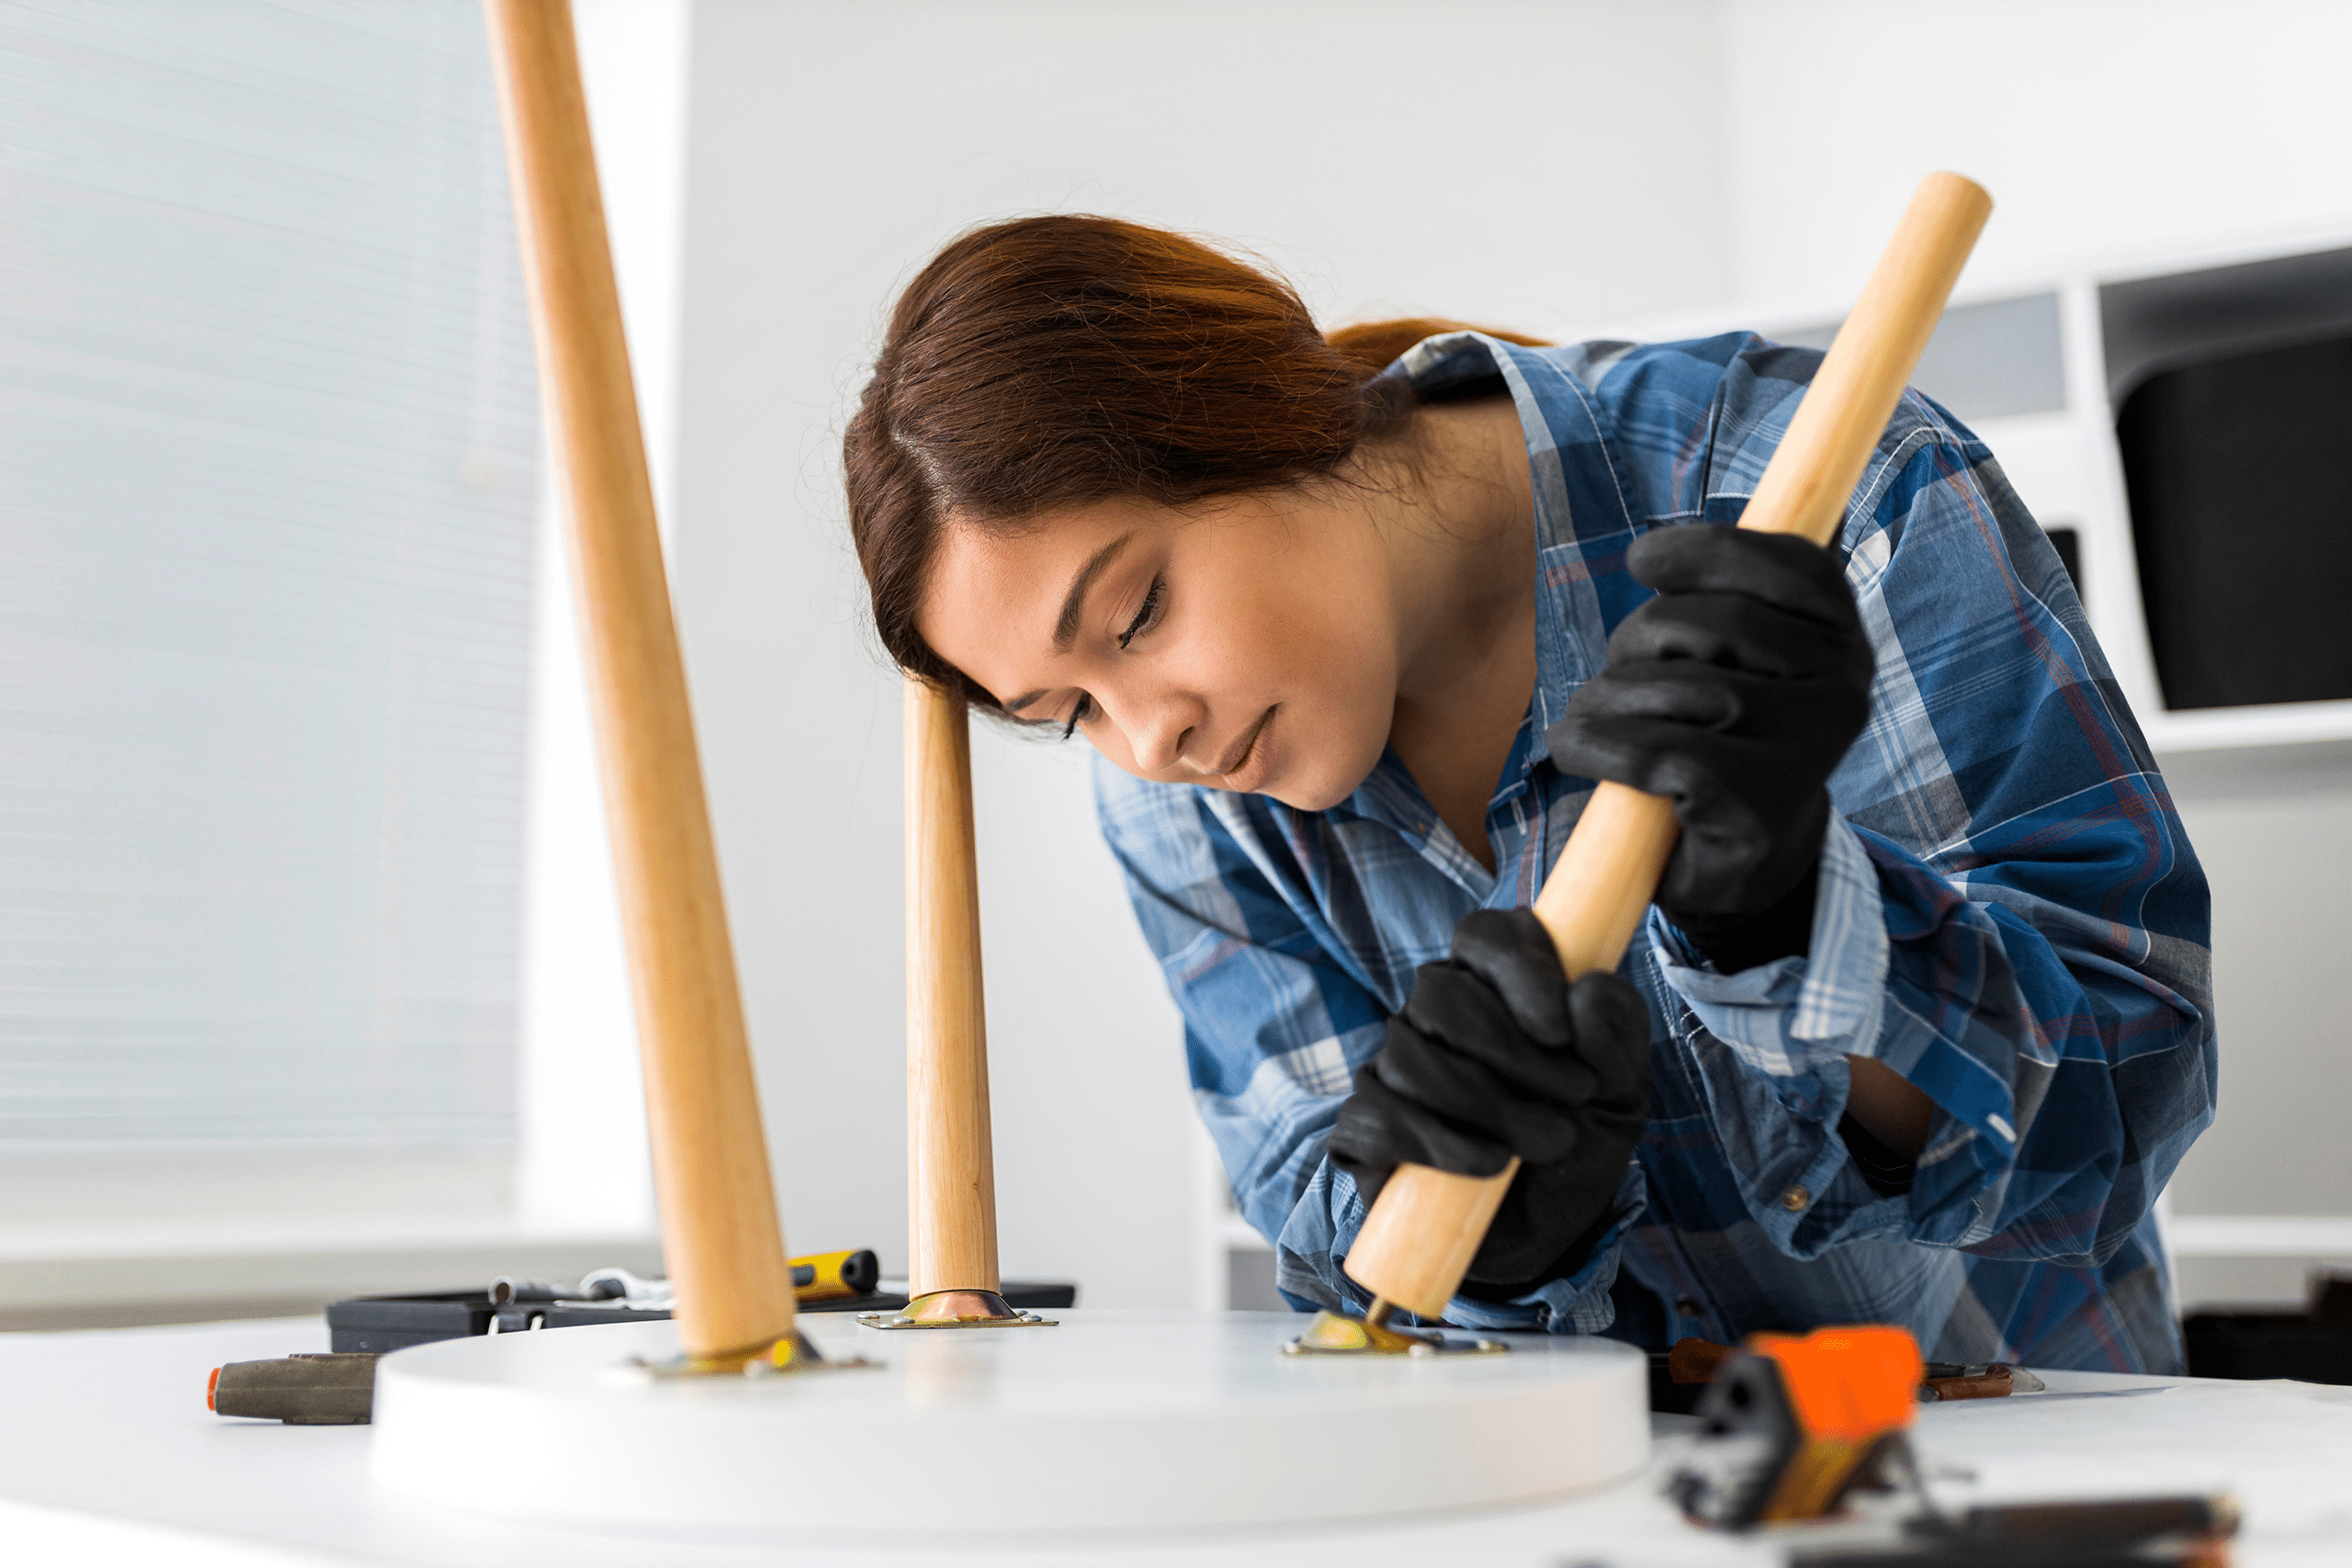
(955, 1309)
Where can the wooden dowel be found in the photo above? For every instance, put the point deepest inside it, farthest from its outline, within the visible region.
(951, 1167)
(719, 1234)
(1418, 1241)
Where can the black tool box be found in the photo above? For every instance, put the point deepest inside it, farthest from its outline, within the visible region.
(394, 1322)
(2313, 1346)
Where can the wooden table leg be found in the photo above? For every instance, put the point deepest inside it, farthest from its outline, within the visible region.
(719, 1232)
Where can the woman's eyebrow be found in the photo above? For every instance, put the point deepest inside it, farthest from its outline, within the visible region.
(1074, 607)
(1074, 602)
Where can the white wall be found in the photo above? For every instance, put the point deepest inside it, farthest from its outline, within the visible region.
(1505, 161)
(2103, 127)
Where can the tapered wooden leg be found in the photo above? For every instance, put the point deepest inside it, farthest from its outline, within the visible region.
(951, 1168)
(719, 1232)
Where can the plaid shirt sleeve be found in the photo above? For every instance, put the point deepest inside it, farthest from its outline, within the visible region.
(2011, 916)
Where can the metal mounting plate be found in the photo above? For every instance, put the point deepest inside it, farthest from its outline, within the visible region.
(1333, 1335)
(955, 1309)
(787, 1356)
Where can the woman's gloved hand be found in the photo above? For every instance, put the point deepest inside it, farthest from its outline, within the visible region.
(1496, 1054)
(1734, 693)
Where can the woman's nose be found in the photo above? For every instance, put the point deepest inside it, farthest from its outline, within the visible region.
(1158, 727)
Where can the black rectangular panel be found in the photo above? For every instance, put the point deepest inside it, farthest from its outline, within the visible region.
(2243, 524)
(2068, 541)
(2147, 324)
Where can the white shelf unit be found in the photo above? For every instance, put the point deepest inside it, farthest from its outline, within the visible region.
(2037, 385)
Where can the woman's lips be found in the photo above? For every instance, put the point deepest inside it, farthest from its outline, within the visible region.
(1248, 753)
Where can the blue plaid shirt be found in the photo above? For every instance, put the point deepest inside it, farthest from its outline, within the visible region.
(2010, 916)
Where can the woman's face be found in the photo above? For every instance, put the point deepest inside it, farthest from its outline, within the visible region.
(1249, 646)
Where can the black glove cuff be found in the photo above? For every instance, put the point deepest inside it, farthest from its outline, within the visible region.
(1783, 928)
(1497, 1292)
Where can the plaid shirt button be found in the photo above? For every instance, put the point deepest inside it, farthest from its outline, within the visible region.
(1796, 1197)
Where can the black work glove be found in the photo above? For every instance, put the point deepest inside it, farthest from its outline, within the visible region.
(1496, 1054)
(1734, 693)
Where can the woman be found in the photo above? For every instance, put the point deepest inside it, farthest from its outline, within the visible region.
(1920, 1024)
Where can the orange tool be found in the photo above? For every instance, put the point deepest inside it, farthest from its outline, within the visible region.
(1795, 1423)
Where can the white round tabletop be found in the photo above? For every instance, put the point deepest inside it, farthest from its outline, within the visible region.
(1110, 1421)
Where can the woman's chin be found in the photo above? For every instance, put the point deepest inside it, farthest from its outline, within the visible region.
(1319, 791)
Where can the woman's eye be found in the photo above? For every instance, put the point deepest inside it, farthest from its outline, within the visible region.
(1146, 612)
(1078, 715)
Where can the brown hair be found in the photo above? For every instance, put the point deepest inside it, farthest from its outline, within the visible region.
(1052, 362)
(1374, 346)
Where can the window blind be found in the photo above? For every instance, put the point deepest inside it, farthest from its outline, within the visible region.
(267, 451)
